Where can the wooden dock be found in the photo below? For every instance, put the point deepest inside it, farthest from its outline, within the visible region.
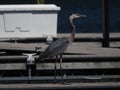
(57, 86)
(81, 56)
(86, 39)
(78, 50)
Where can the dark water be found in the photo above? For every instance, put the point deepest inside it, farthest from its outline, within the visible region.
(92, 8)
(88, 7)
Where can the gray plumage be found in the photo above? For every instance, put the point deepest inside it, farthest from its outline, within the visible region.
(55, 48)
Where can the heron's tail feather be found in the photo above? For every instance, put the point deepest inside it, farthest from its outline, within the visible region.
(41, 57)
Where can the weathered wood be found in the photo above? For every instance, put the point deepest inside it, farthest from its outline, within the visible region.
(79, 65)
(75, 50)
(19, 46)
(13, 66)
(32, 46)
(69, 86)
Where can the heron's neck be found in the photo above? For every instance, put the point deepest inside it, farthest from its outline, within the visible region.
(73, 30)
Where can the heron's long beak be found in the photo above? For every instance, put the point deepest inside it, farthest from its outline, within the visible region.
(80, 15)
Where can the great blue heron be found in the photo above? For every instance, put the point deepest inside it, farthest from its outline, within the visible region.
(59, 46)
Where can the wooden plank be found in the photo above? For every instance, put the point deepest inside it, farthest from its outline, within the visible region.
(19, 46)
(69, 86)
(93, 51)
(79, 65)
(78, 51)
(90, 35)
(13, 66)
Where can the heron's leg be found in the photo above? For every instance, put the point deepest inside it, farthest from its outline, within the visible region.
(61, 67)
(55, 68)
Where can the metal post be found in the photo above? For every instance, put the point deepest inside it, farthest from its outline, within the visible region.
(29, 71)
(30, 62)
(106, 42)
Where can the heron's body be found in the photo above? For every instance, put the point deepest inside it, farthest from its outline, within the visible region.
(55, 48)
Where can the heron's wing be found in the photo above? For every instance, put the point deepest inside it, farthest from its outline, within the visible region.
(55, 48)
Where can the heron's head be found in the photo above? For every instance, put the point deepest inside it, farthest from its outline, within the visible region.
(76, 15)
